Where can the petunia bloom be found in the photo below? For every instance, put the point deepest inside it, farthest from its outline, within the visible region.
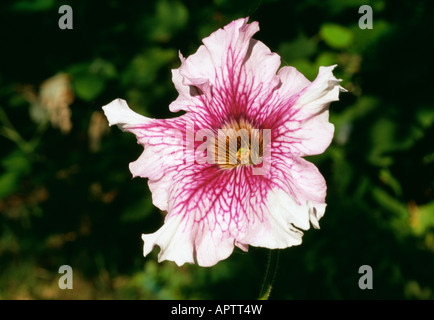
(219, 194)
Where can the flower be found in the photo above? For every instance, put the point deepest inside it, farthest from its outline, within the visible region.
(215, 194)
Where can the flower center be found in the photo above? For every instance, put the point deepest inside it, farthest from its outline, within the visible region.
(238, 143)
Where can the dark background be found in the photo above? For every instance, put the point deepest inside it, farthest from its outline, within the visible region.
(67, 196)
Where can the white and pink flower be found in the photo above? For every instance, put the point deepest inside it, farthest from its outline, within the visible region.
(221, 195)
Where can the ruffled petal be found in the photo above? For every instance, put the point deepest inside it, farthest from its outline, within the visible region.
(222, 50)
(293, 81)
(217, 210)
(201, 223)
(163, 142)
(303, 182)
(302, 117)
(279, 230)
(118, 113)
(206, 198)
(189, 97)
(223, 209)
(295, 200)
(174, 241)
(230, 75)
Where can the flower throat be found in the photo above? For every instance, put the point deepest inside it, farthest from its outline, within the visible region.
(238, 143)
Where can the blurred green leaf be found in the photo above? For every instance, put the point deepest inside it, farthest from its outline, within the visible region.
(382, 140)
(144, 68)
(16, 164)
(422, 217)
(170, 17)
(33, 5)
(336, 36)
(8, 183)
(417, 291)
(103, 68)
(300, 48)
(88, 86)
(425, 116)
(326, 59)
(89, 78)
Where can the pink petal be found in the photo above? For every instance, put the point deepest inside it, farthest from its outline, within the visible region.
(303, 113)
(293, 82)
(163, 142)
(188, 99)
(301, 179)
(214, 209)
(231, 74)
(222, 49)
(296, 199)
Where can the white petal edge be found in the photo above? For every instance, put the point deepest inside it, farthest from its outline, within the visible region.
(175, 243)
(118, 113)
(314, 131)
(320, 93)
(286, 220)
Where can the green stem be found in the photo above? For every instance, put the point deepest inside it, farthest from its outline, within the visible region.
(270, 274)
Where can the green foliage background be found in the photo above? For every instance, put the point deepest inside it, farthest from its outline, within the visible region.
(67, 196)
